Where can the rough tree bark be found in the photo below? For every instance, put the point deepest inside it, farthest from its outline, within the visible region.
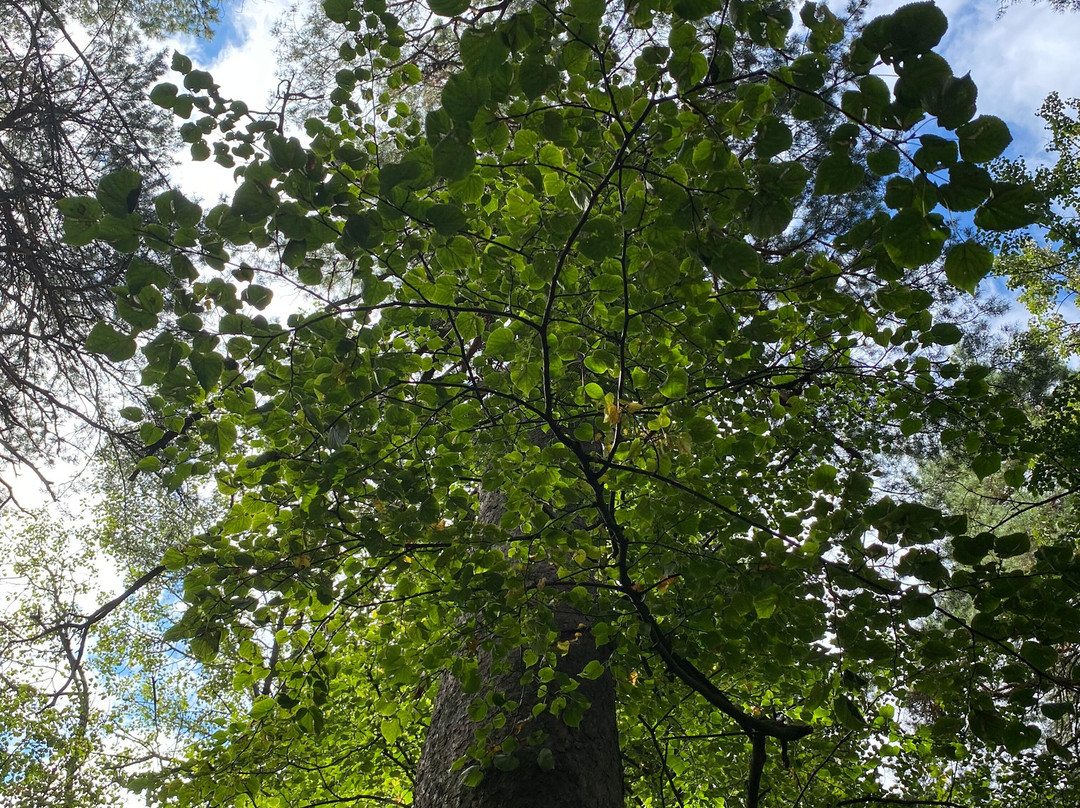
(587, 769)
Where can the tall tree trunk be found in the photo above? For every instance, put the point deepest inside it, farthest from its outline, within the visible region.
(587, 770)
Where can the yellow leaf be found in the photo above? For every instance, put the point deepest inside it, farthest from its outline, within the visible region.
(662, 586)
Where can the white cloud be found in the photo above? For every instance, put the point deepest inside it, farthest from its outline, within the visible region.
(1016, 59)
(244, 66)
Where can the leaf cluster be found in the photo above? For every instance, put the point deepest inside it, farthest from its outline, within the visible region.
(569, 285)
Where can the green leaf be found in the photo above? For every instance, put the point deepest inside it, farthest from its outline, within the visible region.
(1010, 207)
(205, 646)
(915, 605)
(968, 187)
(257, 296)
(884, 161)
(913, 239)
(736, 262)
(253, 201)
(471, 681)
(1042, 656)
(180, 63)
(337, 10)
(454, 158)
(584, 432)
(390, 729)
(968, 263)
(218, 435)
(80, 207)
(946, 334)
(696, 9)
(446, 219)
(769, 214)
(909, 426)
(1009, 546)
(936, 153)
(1019, 737)
(164, 95)
(676, 384)
(104, 339)
(132, 414)
(208, 368)
(956, 104)
(545, 760)
(773, 137)
(172, 207)
(537, 76)
(448, 8)
(593, 670)
(987, 725)
(150, 464)
(971, 550)
(986, 464)
(920, 81)
(483, 52)
(262, 707)
(916, 27)
(173, 560)
(118, 192)
(463, 95)
(983, 139)
(197, 80)
(309, 274)
(600, 239)
(765, 603)
(365, 229)
(847, 713)
(499, 343)
(837, 174)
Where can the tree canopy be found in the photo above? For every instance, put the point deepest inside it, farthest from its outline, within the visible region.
(585, 396)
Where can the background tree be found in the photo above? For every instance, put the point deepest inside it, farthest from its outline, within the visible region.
(1042, 266)
(563, 358)
(92, 692)
(73, 109)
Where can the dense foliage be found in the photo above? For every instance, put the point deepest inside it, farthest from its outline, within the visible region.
(589, 284)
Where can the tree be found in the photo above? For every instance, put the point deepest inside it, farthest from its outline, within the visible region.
(572, 425)
(1042, 266)
(1036, 499)
(86, 705)
(74, 111)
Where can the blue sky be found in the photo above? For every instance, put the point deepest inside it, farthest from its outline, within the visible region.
(1016, 59)
(227, 33)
